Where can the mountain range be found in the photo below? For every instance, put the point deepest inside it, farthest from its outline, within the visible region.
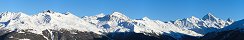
(50, 25)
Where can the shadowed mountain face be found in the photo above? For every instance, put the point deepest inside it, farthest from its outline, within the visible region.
(51, 35)
(225, 35)
(134, 36)
(77, 35)
(235, 31)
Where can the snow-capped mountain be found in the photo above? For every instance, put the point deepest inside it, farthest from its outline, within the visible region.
(111, 23)
(117, 22)
(207, 24)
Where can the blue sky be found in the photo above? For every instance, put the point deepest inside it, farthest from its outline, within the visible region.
(164, 10)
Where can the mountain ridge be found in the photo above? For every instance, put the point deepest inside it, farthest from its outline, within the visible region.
(115, 22)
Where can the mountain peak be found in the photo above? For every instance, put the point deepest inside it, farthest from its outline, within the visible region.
(67, 13)
(48, 11)
(210, 17)
(113, 16)
(145, 18)
(193, 17)
(229, 20)
(119, 15)
(100, 15)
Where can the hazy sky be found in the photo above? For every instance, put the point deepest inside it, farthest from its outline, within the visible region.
(164, 10)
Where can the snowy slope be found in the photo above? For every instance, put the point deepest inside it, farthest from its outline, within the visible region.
(115, 22)
(207, 24)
